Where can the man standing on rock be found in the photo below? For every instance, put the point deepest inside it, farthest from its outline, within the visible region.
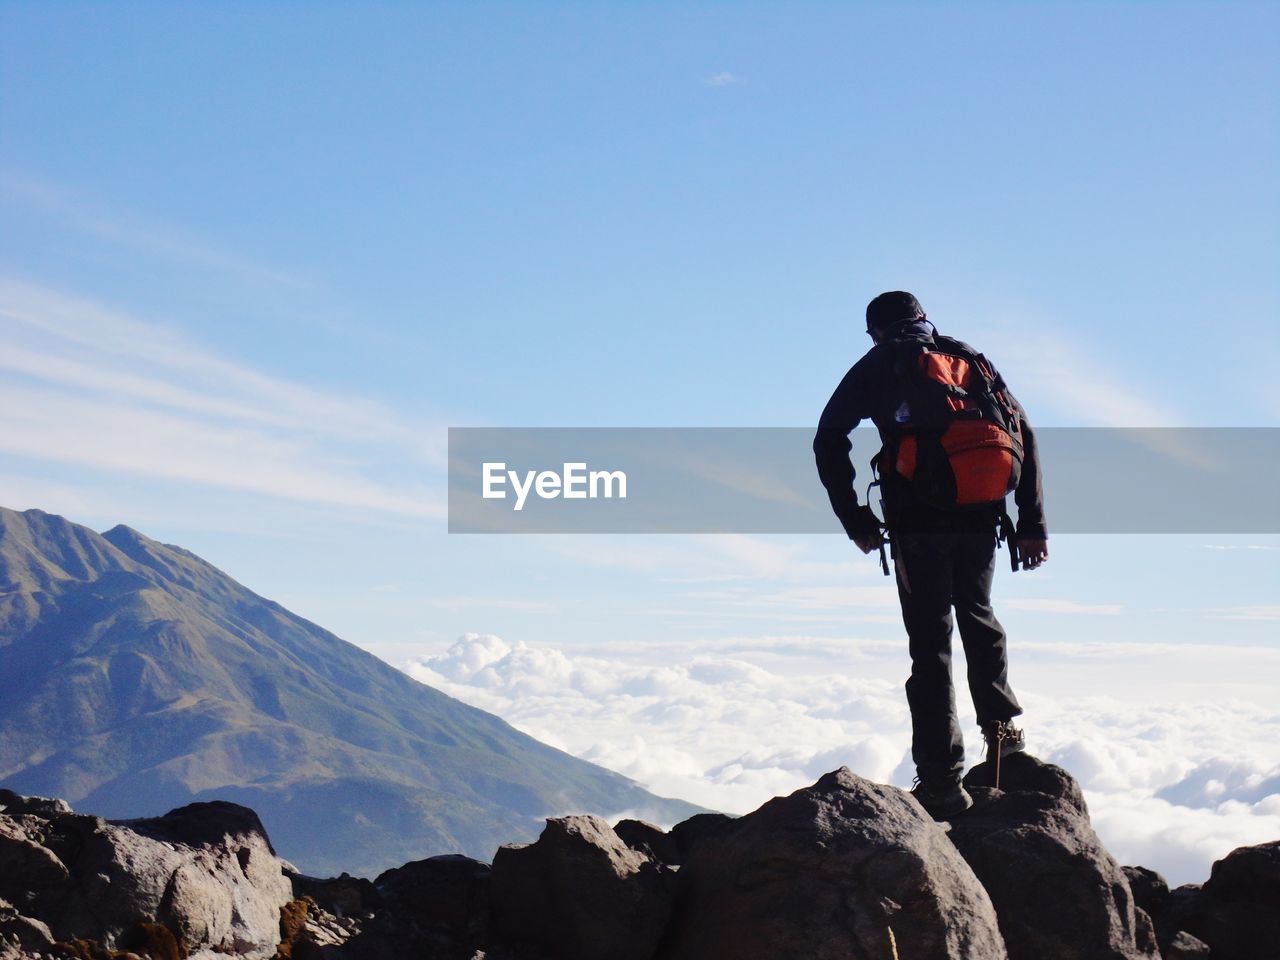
(954, 443)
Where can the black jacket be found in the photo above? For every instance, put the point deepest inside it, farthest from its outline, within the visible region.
(869, 392)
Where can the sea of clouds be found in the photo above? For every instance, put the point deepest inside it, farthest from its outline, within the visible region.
(1171, 783)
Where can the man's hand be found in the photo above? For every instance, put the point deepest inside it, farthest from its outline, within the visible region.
(869, 542)
(1032, 552)
(867, 525)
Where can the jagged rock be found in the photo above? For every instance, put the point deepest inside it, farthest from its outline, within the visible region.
(21, 936)
(1150, 898)
(845, 869)
(1151, 895)
(153, 941)
(323, 930)
(671, 847)
(14, 803)
(701, 826)
(648, 839)
(342, 896)
(1150, 890)
(309, 932)
(1184, 946)
(580, 892)
(143, 941)
(293, 929)
(1237, 911)
(24, 855)
(1145, 940)
(1058, 893)
(206, 873)
(448, 894)
(436, 908)
(1182, 907)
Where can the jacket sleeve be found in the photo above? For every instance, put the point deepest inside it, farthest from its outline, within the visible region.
(852, 402)
(1029, 496)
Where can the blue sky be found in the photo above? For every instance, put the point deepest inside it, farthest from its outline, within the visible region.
(485, 203)
(256, 258)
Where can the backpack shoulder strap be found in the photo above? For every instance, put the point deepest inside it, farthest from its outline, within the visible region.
(958, 347)
(982, 366)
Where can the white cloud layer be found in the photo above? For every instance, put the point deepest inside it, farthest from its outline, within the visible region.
(1171, 785)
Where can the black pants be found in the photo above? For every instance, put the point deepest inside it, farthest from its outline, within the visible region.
(936, 571)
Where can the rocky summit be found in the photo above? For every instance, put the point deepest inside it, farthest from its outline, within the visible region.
(845, 868)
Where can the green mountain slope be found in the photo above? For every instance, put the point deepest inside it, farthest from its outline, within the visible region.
(135, 677)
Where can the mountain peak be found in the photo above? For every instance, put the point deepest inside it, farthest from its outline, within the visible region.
(174, 564)
(123, 532)
(39, 548)
(136, 677)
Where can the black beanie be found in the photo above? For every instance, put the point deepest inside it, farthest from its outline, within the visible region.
(891, 308)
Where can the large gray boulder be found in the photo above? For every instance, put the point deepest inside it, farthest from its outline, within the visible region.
(205, 872)
(845, 869)
(673, 846)
(1058, 893)
(437, 908)
(580, 893)
(1237, 910)
(1152, 896)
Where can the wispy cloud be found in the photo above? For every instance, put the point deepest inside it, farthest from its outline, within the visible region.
(802, 599)
(1249, 612)
(723, 79)
(1088, 386)
(1242, 546)
(78, 343)
(738, 477)
(94, 387)
(491, 603)
(1085, 386)
(164, 242)
(1054, 605)
(722, 558)
(99, 432)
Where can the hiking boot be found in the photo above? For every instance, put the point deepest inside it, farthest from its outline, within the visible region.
(1010, 737)
(942, 800)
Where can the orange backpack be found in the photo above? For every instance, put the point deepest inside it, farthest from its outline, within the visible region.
(956, 436)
